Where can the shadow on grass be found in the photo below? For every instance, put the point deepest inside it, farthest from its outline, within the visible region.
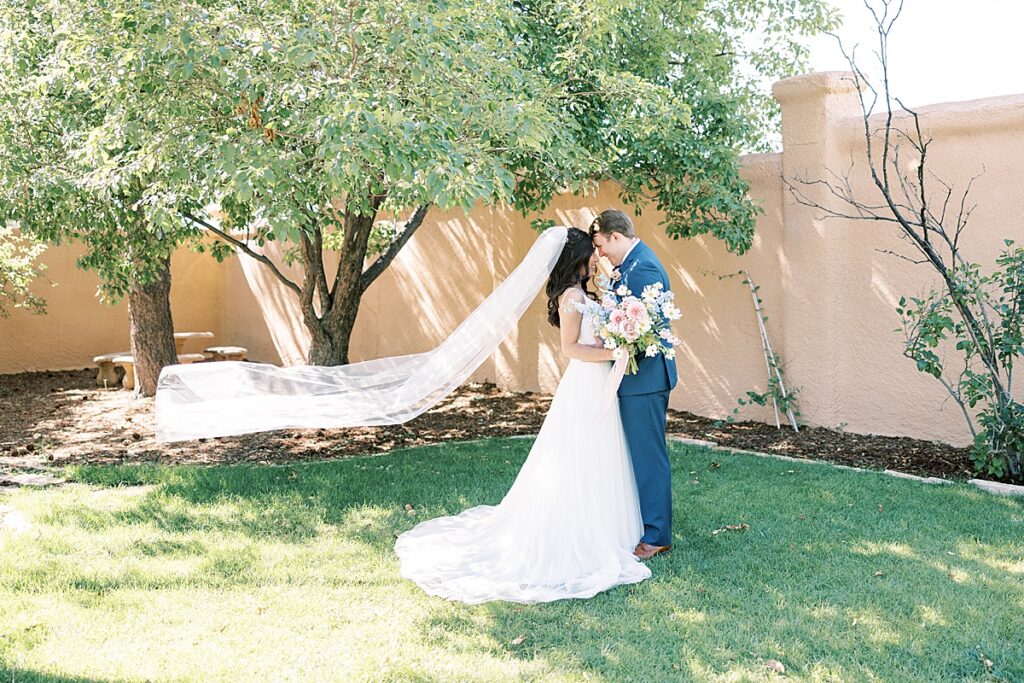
(840, 575)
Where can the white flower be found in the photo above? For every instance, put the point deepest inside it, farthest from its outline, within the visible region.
(619, 354)
(666, 334)
(623, 290)
(670, 353)
(609, 343)
(651, 351)
(671, 312)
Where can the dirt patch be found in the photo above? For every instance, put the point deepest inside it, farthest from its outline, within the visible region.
(58, 418)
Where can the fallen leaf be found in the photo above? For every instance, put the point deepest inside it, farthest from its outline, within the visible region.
(715, 465)
(730, 527)
(518, 640)
(776, 666)
(880, 508)
(409, 509)
(879, 574)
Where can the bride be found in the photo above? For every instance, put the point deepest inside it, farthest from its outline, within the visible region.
(568, 526)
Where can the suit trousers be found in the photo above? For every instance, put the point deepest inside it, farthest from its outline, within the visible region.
(643, 418)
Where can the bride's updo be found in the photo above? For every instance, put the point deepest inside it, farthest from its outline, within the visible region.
(572, 269)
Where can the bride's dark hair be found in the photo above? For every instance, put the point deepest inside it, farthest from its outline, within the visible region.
(572, 268)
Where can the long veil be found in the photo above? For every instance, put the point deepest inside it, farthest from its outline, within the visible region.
(229, 398)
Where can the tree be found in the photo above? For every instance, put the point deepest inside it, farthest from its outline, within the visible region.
(331, 119)
(980, 314)
(336, 127)
(18, 269)
(88, 152)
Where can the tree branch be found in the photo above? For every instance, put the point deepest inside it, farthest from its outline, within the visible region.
(248, 250)
(385, 259)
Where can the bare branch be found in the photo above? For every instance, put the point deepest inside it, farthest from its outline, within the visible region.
(916, 262)
(247, 249)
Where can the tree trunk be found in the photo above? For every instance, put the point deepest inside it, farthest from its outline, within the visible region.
(333, 333)
(152, 331)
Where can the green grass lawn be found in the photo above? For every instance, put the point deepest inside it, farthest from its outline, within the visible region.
(249, 573)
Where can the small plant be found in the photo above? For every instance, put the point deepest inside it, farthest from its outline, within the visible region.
(986, 374)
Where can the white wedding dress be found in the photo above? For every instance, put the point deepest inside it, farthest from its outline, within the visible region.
(567, 527)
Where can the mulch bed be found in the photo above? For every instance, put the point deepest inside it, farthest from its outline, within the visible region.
(59, 418)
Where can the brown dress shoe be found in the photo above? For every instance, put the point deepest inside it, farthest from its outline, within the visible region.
(645, 551)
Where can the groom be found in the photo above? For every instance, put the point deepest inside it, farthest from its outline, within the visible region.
(643, 396)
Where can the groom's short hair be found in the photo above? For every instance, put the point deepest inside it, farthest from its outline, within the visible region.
(612, 220)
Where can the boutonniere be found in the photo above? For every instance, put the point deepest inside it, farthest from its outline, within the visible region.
(616, 275)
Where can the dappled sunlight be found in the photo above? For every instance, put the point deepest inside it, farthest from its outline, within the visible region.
(991, 556)
(580, 218)
(550, 363)
(882, 286)
(931, 616)
(871, 625)
(956, 574)
(688, 616)
(822, 611)
(870, 548)
(683, 276)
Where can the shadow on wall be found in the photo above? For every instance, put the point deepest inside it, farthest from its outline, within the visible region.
(277, 305)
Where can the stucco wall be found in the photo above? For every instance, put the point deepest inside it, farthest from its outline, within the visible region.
(77, 326)
(827, 288)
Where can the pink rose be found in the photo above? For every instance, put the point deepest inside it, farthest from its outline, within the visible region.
(630, 330)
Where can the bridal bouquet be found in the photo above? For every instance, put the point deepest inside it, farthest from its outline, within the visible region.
(633, 325)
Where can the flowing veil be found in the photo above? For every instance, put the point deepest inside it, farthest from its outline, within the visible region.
(230, 398)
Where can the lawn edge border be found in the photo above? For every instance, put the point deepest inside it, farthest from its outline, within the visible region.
(993, 487)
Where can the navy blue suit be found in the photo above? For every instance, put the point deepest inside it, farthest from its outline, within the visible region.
(643, 403)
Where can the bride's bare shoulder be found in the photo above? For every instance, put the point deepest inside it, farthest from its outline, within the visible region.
(571, 295)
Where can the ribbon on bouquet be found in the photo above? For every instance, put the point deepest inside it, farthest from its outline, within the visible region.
(611, 385)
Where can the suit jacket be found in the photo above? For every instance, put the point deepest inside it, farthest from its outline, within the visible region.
(639, 269)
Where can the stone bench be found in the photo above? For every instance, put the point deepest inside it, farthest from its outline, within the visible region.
(107, 375)
(225, 352)
(180, 338)
(127, 362)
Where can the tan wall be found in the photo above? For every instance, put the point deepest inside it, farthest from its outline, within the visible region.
(77, 326)
(828, 291)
